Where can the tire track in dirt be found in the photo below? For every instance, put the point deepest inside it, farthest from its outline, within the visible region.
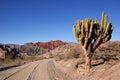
(23, 73)
(7, 73)
(15, 72)
(55, 73)
(38, 70)
(29, 78)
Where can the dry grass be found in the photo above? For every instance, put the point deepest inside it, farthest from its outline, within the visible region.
(70, 53)
(8, 62)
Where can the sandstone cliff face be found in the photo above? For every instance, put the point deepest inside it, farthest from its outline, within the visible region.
(51, 44)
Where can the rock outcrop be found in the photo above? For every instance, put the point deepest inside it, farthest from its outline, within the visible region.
(8, 51)
(51, 44)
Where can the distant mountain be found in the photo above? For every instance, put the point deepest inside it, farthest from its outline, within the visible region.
(51, 44)
(30, 49)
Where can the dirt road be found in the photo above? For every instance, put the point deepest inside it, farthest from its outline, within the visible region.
(38, 70)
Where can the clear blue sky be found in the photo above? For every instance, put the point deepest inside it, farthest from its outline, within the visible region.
(24, 21)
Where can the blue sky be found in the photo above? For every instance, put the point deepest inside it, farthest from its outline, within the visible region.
(24, 21)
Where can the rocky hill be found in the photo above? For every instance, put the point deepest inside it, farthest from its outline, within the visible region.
(106, 59)
(109, 50)
(9, 50)
(51, 44)
(28, 49)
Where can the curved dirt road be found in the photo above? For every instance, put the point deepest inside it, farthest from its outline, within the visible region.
(38, 70)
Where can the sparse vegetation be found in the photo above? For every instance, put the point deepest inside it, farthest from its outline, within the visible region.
(59, 57)
(72, 52)
(106, 54)
(17, 62)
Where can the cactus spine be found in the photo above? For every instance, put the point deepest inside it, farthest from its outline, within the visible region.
(90, 34)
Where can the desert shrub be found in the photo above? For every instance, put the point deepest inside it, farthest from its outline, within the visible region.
(70, 53)
(20, 61)
(59, 57)
(108, 51)
(7, 59)
(75, 52)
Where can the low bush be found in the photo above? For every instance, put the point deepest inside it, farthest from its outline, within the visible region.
(70, 53)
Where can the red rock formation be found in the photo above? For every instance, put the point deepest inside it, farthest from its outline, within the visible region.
(51, 44)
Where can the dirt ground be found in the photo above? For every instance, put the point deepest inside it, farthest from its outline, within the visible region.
(48, 69)
(38, 70)
(107, 71)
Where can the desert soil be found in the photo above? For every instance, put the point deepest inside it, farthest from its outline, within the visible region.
(38, 70)
(48, 69)
(110, 70)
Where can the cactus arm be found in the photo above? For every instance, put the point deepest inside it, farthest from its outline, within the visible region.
(105, 21)
(79, 25)
(74, 32)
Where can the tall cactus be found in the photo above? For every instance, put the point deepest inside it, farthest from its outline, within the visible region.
(90, 34)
